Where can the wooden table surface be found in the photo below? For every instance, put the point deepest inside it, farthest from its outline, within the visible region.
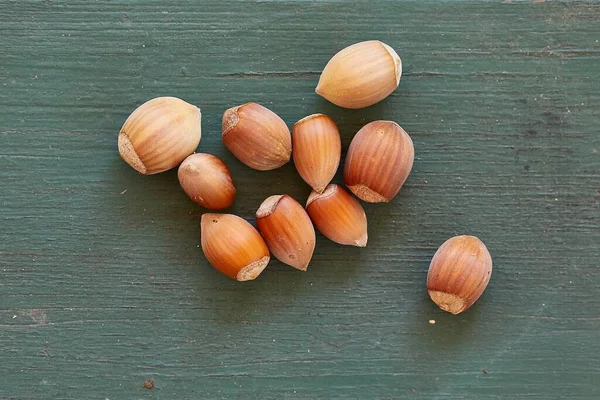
(103, 284)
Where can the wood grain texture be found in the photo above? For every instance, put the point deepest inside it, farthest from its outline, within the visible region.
(103, 284)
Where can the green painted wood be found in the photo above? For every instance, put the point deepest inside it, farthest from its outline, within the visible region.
(102, 283)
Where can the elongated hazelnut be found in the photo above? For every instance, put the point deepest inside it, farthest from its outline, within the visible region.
(257, 136)
(316, 148)
(207, 181)
(338, 216)
(378, 162)
(360, 75)
(287, 230)
(160, 134)
(459, 273)
(233, 246)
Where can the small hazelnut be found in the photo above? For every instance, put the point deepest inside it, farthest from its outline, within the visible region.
(207, 181)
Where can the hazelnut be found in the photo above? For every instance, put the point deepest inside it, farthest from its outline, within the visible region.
(287, 230)
(160, 134)
(379, 160)
(233, 246)
(257, 136)
(316, 148)
(459, 273)
(338, 216)
(207, 181)
(360, 75)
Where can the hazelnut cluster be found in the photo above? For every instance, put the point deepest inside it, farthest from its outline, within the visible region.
(164, 133)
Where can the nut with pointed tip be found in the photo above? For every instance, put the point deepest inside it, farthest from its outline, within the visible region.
(459, 273)
(360, 75)
(378, 162)
(257, 136)
(287, 230)
(207, 181)
(233, 246)
(316, 148)
(338, 216)
(160, 134)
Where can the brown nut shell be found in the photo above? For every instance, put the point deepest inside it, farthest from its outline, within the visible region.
(160, 134)
(316, 148)
(257, 136)
(207, 181)
(379, 160)
(233, 246)
(360, 75)
(459, 273)
(338, 216)
(287, 230)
